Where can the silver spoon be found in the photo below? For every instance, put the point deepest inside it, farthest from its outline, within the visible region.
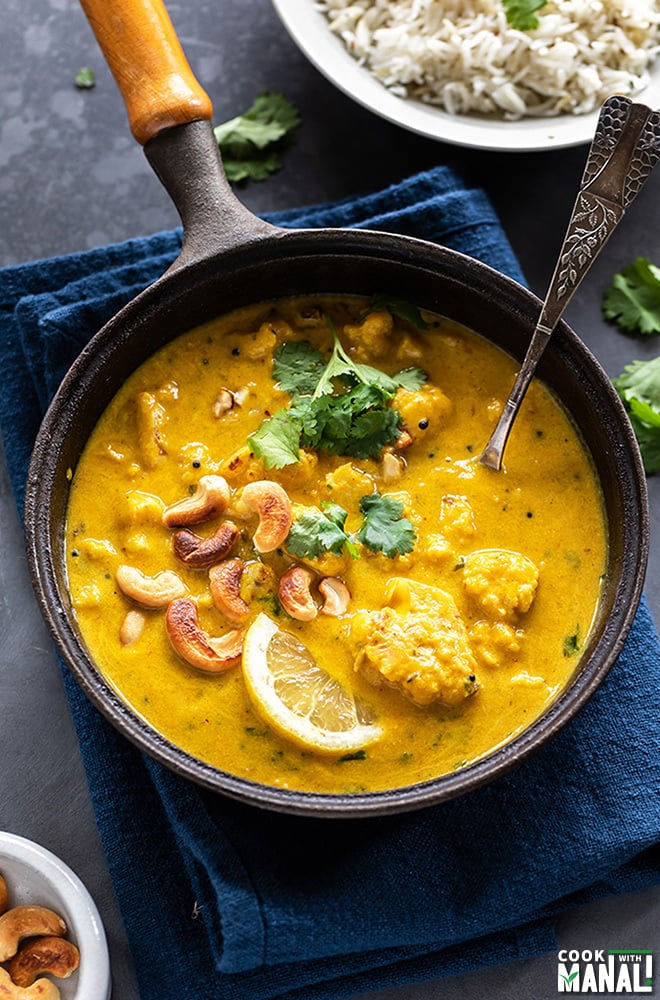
(624, 150)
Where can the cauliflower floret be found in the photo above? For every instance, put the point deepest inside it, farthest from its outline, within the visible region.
(242, 466)
(501, 582)
(417, 643)
(195, 461)
(421, 409)
(142, 508)
(457, 517)
(457, 526)
(299, 474)
(493, 643)
(347, 484)
(372, 338)
(97, 549)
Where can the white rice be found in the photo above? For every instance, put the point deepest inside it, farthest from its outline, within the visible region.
(463, 56)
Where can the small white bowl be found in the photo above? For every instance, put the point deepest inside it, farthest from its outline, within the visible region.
(36, 877)
(309, 29)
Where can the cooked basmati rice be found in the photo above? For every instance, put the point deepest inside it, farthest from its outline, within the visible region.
(463, 56)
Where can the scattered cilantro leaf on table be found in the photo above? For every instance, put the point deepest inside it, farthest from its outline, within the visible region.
(339, 406)
(639, 388)
(384, 528)
(85, 78)
(633, 298)
(251, 143)
(521, 14)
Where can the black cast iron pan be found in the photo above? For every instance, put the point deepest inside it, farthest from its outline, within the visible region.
(229, 259)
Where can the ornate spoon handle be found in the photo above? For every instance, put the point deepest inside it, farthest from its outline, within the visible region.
(624, 150)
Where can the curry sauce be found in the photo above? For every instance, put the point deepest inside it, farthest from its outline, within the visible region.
(518, 557)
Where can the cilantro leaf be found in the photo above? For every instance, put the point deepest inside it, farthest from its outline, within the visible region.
(398, 307)
(639, 388)
(277, 441)
(250, 143)
(633, 298)
(339, 406)
(297, 367)
(316, 531)
(521, 14)
(340, 365)
(85, 78)
(384, 528)
(355, 423)
(411, 378)
(254, 169)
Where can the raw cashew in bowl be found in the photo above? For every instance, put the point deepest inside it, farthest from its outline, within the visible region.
(27, 921)
(42, 989)
(53, 956)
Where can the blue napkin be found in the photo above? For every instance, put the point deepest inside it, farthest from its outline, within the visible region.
(222, 900)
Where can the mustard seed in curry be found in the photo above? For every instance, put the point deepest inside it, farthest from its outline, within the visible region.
(284, 554)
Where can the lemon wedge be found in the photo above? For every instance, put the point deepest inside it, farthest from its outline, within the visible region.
(299, 699)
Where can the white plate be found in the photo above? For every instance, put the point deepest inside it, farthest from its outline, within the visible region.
(309, 29)
(36, 877)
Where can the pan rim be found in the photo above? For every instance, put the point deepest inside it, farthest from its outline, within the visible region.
(41, 559)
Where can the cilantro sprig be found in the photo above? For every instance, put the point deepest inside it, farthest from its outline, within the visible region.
(639, 387)
(633, 299)
(251, 143)
(383, 529)
(316, 532)
(339, 406)
(521, 14)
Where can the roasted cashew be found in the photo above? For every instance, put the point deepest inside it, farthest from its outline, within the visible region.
(195, 646)
(150, 591)
(211, 498)
(43, 989)
(391, 467)
(200, 553)
(4, 896)
(26, 921)
(227, 400)
(223, 403)
(295, 594)
(132, 627)
(270, 501)
(336, 596)
(53, 956)
(225, 585)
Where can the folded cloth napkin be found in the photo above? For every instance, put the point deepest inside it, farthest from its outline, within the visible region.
(222, 900)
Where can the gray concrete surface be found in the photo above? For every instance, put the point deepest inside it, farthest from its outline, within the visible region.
(71, 177)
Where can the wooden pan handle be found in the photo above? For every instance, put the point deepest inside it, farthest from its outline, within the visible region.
(141, 48)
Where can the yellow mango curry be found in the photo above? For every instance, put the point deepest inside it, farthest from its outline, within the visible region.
(284, 554)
